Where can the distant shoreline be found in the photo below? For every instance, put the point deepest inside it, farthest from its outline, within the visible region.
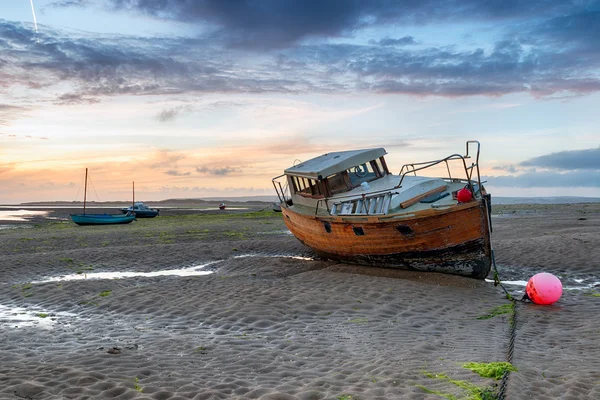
(265, 200)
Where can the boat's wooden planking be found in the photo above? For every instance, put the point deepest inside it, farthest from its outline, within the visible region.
(436, 235)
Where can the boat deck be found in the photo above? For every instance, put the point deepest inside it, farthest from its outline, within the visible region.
(422, 195)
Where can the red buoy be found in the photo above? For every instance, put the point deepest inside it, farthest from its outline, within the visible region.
(464, 195)
(544, 288)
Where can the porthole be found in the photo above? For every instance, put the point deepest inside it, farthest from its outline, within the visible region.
(404, 229)
(358, 231)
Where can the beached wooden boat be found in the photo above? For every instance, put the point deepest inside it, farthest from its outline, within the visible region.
(347, 206)
(99, 219)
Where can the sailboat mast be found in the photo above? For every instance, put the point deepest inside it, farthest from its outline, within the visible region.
(133, 205)
(85, 191)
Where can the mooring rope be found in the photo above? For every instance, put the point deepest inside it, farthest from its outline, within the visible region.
(512, 334)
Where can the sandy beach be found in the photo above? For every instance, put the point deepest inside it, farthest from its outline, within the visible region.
(208, 304)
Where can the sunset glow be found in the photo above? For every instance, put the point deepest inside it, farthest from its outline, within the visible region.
(190, 100)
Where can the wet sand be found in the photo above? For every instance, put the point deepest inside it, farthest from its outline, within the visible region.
(271, 322)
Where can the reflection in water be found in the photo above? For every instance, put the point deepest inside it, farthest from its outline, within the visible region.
(20, 215)
(196, 270)
(580, 284)
(516, 283)
(14, 226)
(275, 256)
(19, 317)
(190, 271)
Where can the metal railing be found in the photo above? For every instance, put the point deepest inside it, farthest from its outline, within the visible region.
(412, 168)
(352, 197)
(281, 190)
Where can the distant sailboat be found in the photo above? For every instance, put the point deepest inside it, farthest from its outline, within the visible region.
(99, 219)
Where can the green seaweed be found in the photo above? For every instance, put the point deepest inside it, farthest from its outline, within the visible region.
(201, 349)
(136, 385)
(474, 392)
(239, 235)
(494, 370)
(42, 315)
(105, 293)
(24, 289)
(437, 392)
(359, 321)
(345, 397)
(503, 309)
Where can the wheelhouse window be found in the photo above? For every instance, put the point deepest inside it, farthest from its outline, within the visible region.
(363, 173)
(307, 187)
(353, 177)
(341, 181)
(381, 166)
(337, 183)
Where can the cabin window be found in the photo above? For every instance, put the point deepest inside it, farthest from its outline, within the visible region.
(307, 187)
(315, 188)
(337, 183)
(381, 166)
(362, 173)
(296, 184)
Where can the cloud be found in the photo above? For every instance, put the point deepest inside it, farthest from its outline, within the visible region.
(547, 179)
(574, 168)
(404, 41)
(509, 168)
(172, 113)
(174, 172)
(75, 99)
(548, 48)
(588, 159)
(9, 112)
(165, 159)
(273, 24)
(217, 171)
(211, 191)
(69, 3)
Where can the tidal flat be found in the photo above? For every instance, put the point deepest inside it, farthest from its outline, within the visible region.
(263, 318)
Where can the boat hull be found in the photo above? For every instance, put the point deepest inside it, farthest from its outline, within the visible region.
(452, 240)
(101, 219)
(142, 213)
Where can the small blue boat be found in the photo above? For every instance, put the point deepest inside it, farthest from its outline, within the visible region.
(101, 219)
(141, 210)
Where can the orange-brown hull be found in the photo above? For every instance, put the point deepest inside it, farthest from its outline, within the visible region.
(454, 240)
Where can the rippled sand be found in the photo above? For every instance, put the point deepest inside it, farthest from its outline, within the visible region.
(272, 322)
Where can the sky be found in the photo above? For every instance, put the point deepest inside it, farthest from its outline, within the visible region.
(213, 98)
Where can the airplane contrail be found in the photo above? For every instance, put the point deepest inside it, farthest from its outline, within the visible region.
(34, 19)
